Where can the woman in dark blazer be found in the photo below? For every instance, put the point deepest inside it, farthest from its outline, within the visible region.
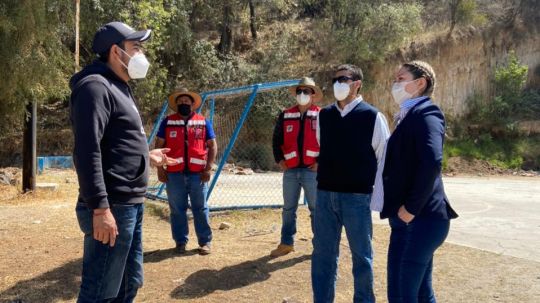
(412, 189)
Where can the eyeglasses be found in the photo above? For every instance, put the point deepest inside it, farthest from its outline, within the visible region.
(341, 79)
(306, 91)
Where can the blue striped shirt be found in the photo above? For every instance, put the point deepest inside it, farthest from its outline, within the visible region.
(405, 107)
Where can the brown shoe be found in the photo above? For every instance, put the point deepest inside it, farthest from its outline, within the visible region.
(180, 248)
(281, 250)
(204, 250)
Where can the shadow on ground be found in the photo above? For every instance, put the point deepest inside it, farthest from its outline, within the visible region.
(158, 255)
(206, 281)
(61, 283)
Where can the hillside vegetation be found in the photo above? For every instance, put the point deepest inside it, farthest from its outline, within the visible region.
(206, 45)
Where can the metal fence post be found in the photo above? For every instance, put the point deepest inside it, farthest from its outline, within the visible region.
(158, 121)
(234, 136)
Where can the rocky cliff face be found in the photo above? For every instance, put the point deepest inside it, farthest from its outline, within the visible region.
(464, 65)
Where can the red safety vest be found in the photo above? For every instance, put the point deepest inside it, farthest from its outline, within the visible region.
(176, 139)
(291, 130)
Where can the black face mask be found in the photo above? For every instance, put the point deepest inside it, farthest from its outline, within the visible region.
(184, 109)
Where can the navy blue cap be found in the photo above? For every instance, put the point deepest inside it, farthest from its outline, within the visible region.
(114, 33)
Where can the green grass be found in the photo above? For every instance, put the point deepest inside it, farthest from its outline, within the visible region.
(508, 153)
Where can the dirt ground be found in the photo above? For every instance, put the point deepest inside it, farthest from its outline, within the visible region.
(41, 249)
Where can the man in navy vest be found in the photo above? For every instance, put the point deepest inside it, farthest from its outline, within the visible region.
(352, 135)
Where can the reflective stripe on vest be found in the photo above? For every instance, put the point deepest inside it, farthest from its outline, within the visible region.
(196, 122)
(290, 155)
(197, 161)
(311, 153)
(292, 115)
(312, 113)
(175, 122)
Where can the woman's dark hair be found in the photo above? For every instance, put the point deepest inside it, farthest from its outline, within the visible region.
(421, 69)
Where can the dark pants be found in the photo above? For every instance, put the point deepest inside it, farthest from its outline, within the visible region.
(112, 274)
(410, 258)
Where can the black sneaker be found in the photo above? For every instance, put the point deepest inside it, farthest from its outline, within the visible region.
(180, 248)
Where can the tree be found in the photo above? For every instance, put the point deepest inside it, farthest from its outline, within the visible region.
(35, 62)
(252, 21)
(464, 12)
(225, 43)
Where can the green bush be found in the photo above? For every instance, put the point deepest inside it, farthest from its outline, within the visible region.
(510, 103)
(510, 153)
(467, 13)
(366, 32)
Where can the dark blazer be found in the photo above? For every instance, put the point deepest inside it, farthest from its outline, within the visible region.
(412, 169)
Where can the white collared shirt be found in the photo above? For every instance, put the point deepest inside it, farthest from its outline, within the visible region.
(380, 129)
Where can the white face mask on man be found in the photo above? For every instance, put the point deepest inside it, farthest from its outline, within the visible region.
(303, 99)
(138, 65)
(399, 93)
(341, 90)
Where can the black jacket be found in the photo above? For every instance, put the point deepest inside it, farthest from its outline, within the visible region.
(412, 168)
(110, 151)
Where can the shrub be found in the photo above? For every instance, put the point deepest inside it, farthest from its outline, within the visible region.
(368, 32)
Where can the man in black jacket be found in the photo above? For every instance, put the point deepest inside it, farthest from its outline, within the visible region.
(111, 158)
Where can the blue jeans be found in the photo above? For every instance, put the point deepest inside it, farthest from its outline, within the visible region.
(410, 258)
(294, 180)
(112, 274)
(334, 211)
(179, 187)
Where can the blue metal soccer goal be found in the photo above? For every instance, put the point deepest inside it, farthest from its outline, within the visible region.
(246, 176)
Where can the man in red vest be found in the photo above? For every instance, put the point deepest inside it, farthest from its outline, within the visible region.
(191, 140)
(296, 150)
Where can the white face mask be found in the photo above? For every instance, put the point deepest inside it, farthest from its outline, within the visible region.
(399, 93)
(303, 99)
(137, 66)
(341, 90)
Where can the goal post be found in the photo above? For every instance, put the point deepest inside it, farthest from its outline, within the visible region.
(257, 187)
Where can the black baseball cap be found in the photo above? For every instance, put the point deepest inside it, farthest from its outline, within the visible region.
(114, 33)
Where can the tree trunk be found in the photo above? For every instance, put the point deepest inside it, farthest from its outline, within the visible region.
(225, 44)
(252, 24)
(29, 147)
